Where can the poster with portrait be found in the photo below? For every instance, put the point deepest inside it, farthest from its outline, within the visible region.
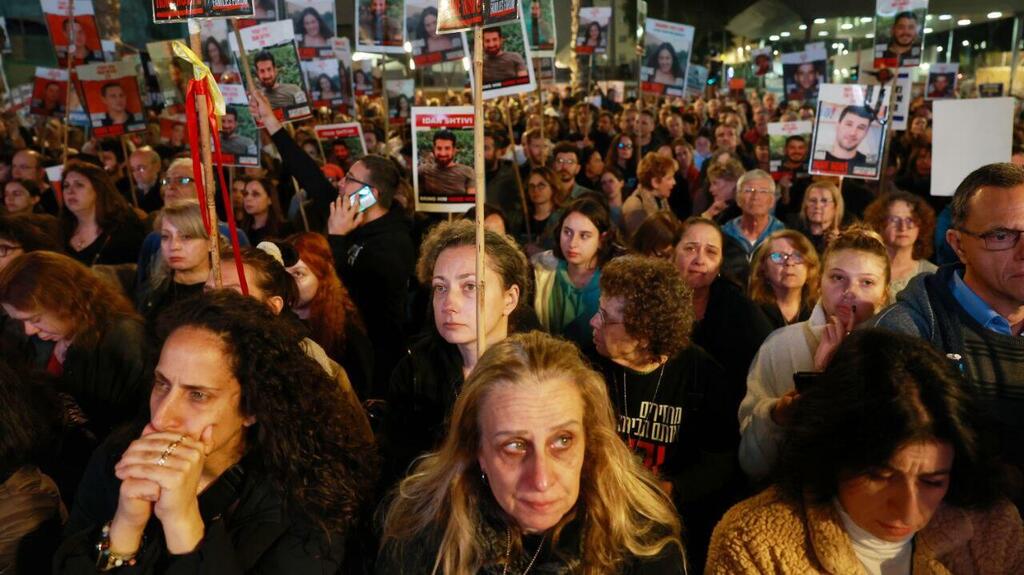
(315, 22)
(942, 81)
(667, 48)
(898, 32)
(343, 54)
(901, 93)
(544, 67)
(181, 10)
(274, 63)
(173, 130)
(401, 95)
(442, 156)
(804, 72)
(696, 80)
(849, 130)
(342, 141)
(79, 32)
(508, 65)
(428, 46)
(171, 75)
(539, 16)
(593, 30)
(49, 92)
(5, 37)
(613, 90)
(323, 76)
(789, 146)
(462, 15)
(761, 60)
(216, 51)
(364, 81)
(152, 95)
(379, 26)
(239, 136)
(112, 100)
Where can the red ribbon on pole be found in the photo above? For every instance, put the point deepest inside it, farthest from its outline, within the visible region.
(200, 88)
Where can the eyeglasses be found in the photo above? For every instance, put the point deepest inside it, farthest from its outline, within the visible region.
(763, 191)
(780, 258)
(819, 201)
(604, 318)
(349, 178)
(176, 181)
(6, 249)
(895, 221)
(624, 146)
(998, 239)
(565, 161)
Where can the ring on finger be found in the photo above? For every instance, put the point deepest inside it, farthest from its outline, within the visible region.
(169, 450)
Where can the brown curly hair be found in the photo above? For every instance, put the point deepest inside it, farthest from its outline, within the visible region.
(878, 210)
(657, 306)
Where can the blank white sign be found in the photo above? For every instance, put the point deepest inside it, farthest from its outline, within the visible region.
(968, 134)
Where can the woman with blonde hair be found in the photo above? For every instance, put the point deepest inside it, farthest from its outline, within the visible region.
(531, 474)
(784, 278)
(854, 286)
(821, 213)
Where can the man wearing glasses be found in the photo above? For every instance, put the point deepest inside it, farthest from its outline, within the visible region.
(566, 165)
(974, 310)
(144, 166)
(755, 196)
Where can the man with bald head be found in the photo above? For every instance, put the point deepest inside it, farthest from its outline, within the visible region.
(28, 165)
(144, 165)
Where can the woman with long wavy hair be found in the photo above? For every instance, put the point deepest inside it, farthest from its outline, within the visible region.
(98, 224)
(235, 465)
(531, 474)
(326, 308)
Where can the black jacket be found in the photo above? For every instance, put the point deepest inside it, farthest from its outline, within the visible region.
(248, 528)
(375, 262)
(304, 169)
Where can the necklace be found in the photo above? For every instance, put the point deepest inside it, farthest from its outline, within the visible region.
(625, 404)
(508, 552)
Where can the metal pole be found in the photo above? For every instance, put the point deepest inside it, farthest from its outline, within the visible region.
(207, 157)
(478, 154)
(1018, 25)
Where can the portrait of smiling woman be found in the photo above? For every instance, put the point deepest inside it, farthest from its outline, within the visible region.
(531, 477)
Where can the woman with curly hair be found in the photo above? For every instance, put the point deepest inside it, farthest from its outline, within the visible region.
(907, 223)
(98, 224)
(531, 475)
(784, 277)
(85, 335)
(673, 411)
(238, 467)
(425, 383)
(326, 308)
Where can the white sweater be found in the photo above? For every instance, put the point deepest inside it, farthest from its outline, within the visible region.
(786, 351)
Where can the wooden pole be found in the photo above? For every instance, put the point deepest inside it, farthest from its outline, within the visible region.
(71, 83)
(384, 103)
(7, 99)
(207, 158)
(131, 183)
(515, 168)
(478, 154)
(882, 179)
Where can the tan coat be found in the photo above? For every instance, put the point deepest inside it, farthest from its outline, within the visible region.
(767, 534)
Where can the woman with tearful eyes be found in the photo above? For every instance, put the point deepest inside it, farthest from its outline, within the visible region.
(425, 383)
(531, 477)
(238, 468)
(884, 471)
(854, 286)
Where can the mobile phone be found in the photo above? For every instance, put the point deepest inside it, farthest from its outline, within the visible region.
(364, 196)
(804, 380)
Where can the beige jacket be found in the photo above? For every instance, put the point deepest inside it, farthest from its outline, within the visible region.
(767, 534)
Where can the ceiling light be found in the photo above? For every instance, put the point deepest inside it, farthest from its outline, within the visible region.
(784, 34)
(945, 17)
(869, 35)
(823, 33)
(938, 48)
(928, 30)
(866, 19)
(774, 37)
(803, 26)
(994, 15)
(846, 26)
(820, 20)
(963, 22)
(965, 43)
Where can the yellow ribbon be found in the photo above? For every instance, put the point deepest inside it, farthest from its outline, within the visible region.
(200, 72)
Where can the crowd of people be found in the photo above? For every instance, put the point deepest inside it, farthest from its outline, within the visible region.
(694, 363)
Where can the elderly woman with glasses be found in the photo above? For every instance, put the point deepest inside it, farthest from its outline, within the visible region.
(906, 222)
(531, 477)
(784, 278)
